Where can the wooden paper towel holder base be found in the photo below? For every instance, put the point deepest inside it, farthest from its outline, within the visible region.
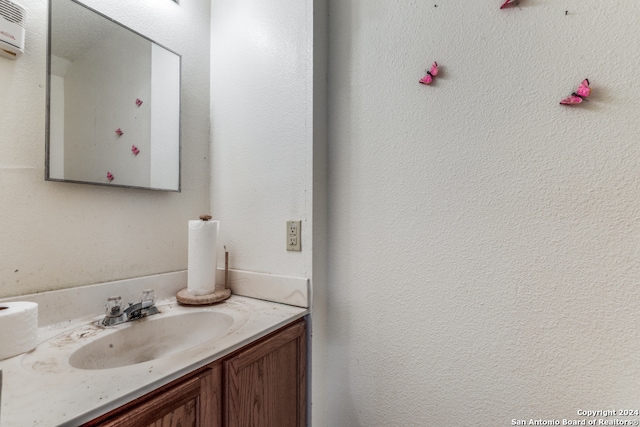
(185, 298)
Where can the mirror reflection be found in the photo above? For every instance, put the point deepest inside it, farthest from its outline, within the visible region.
(113, 103)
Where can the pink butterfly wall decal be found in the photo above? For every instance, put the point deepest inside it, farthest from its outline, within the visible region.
(138, 102)
(579, 95)
(135, 150)
(109, 176)
(428, 78)
(509, 3)
(119, 132)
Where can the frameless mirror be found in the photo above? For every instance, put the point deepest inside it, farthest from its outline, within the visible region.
(113, 103)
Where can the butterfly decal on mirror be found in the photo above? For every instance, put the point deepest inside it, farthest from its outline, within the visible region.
(428, 78)
(109, 176)
(135, 150)
(579, 95)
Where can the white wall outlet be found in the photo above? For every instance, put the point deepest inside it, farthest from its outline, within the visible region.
(293, 235)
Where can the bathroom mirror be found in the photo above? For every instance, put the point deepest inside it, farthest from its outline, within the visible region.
(113, 103)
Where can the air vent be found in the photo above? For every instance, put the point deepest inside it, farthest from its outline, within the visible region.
(12, 12)
(12, 29)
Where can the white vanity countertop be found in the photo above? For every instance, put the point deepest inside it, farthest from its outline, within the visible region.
(41, 389)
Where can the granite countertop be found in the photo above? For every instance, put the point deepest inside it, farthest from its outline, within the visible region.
(40, 388)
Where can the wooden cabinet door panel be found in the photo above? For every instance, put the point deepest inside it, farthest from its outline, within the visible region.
(265, 385)
(194, 402)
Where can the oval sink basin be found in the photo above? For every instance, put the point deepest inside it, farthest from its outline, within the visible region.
(151, 338)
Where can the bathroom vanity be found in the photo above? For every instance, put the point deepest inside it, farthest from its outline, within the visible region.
(239, 362)
(262, 384)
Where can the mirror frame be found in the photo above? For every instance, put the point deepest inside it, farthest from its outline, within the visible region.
(48, 105)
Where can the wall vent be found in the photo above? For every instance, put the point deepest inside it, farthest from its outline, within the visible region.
(12, 29)
(12, 12)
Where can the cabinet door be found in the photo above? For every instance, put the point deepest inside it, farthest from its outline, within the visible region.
(265, 385)
(194, 402)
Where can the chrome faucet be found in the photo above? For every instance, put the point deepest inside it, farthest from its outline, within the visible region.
(116, 315)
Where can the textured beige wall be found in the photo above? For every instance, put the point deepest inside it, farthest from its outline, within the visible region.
(56, 235)
(484, 240)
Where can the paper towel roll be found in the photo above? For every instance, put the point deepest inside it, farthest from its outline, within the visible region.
(18, 328)
(202, 257)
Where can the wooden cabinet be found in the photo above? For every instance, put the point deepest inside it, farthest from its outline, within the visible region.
(261, 385)
(265, 384)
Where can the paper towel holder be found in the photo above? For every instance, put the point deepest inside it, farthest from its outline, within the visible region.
(220, 294)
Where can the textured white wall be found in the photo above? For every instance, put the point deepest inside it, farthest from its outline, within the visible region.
(55, 235)
(268, 133)
(261, 104)
(484, 240)
(320, 199)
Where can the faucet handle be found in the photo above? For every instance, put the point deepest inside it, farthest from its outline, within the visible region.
(148, 298)
(113, 306)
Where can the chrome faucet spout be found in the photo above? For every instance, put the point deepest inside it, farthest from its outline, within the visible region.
(115, 315)
(140, 310)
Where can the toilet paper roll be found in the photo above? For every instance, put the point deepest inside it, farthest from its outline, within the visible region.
(202, 257)
(18, 328)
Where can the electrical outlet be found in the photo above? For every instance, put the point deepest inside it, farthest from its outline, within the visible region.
(293, 235)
